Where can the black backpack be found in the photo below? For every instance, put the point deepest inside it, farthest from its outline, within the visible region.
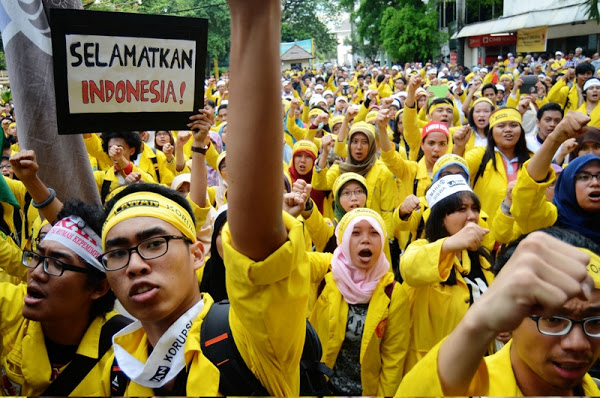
(236, 379)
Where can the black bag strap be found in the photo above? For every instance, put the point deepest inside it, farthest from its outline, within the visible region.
(81, 365)
(219, 347)
(105, 190)
(155, 163)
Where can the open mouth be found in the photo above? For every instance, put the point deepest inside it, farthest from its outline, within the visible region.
(365, 255)
(34, 293)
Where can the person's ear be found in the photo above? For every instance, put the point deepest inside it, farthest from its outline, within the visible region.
(100, 290)
(197, 250)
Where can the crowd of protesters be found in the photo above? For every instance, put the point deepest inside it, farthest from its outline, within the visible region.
(378, 202)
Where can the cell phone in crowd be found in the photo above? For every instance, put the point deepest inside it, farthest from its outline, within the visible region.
(528, 86)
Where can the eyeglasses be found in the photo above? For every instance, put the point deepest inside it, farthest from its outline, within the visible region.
(561, 326)
(358, 192)
(162, 133)
(586, 177)
(5, 166)
(148, 249)
(52, 266)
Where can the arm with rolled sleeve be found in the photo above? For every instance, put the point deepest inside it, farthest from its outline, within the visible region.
(268, 305)
(421, 264)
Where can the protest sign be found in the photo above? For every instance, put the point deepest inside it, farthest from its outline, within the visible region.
(118, 71)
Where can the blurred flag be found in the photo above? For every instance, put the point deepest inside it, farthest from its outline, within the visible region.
(63, 160)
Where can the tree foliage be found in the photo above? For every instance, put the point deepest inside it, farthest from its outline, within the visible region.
(300, 21)
(216, 11)
(409, 32)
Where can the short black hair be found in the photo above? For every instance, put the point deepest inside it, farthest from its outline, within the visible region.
(222, 106)
(569, 236)
(380, 78)
(550, 106)
(488, 86)
(211, 103)
(584, 67)
(132, 138)
(93, 217)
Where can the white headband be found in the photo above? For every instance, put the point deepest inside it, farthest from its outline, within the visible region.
(75, 235)
(446, 186)
(591, 83)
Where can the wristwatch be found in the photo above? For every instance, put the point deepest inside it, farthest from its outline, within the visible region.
(201, 150)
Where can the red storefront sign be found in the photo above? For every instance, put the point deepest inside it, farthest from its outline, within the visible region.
(453, 58)
(489, 40)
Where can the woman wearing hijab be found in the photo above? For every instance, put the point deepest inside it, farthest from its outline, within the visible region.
(362, 160)
(304, 154)
(576, 203)
(362, 315)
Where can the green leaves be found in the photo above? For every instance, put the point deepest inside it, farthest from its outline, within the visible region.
(410, 31)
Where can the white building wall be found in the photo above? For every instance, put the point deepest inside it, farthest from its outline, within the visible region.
(514, 7)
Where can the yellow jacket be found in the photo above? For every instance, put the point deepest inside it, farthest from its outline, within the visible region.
(495, 377)
(166, 170)
(109, 175)
(566, 97)
(594, 115)
(491, 185)
(408, 171)
(385, 337)
(24, 360)
(530, 208)
(267, 319)
(27, 212)
(436, 308)
(12, 270)
(382, 197)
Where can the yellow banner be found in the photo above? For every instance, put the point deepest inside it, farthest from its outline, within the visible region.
(532, 40)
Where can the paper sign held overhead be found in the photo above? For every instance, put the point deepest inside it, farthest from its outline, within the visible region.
(117, 71)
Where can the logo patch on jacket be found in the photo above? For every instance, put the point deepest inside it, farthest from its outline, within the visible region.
(380, 329)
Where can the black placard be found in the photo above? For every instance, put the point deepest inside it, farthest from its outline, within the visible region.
(121, 71)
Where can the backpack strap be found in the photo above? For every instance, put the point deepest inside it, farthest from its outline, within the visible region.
(81, 365)
(155, 163)
(217, 344)
(389, 289)
(105, 190)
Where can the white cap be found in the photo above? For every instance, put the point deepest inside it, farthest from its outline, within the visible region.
(220, 83)
(500, 87)
(509, 55)
(484, 70)
(440, 75)
(395, 67)
(319, 86)
(180, 179)
(402, 94)
(326, 93)
(396, 103)
(445, 187)
(340, 99)
(432, 70)
(559, 53)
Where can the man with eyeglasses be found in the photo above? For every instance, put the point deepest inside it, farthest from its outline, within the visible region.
(548, 294)
(57, 328)
(151, 251)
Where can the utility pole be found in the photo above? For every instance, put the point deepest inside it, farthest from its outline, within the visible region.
(460, 23)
